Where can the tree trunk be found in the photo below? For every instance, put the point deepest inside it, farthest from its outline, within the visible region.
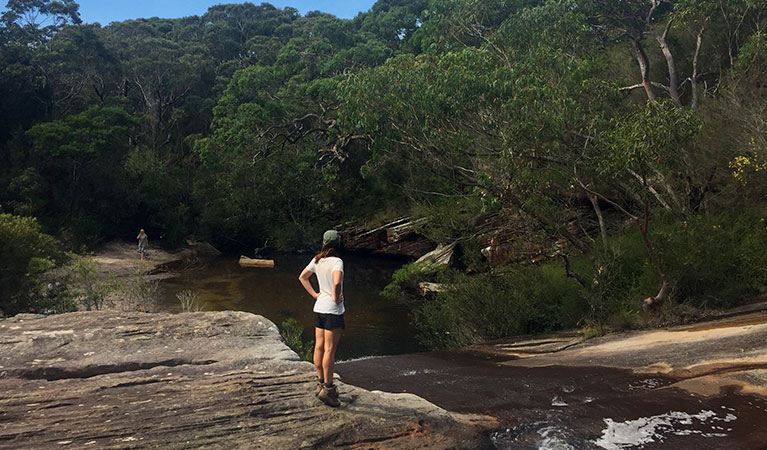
(644, 66)
(694, 77)
(663, 293)
(673, 78)
(602, 227)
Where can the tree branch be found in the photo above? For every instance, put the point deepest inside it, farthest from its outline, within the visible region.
(570, 274)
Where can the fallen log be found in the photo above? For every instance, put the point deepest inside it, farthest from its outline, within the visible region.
(396, 233)
(253, 262)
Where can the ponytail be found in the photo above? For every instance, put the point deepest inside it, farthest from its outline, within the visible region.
(326, 252)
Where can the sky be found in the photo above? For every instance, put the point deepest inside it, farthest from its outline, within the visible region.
(105, 11)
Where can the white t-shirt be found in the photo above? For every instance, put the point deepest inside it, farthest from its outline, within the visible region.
(324, 270)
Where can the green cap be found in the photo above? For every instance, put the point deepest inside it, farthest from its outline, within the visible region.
(331, 238)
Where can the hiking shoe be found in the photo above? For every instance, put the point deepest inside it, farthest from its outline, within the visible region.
(329, 396)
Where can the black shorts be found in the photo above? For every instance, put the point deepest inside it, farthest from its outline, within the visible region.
(329, 321)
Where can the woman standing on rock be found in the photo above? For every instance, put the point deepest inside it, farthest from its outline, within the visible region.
(328, 311)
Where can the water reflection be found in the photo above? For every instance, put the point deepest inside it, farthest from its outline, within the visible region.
(374, 325)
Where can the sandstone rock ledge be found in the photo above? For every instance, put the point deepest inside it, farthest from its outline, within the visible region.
(193, 380)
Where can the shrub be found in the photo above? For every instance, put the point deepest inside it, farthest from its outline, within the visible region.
(521, 300)
(715, 261)
(90, 289)
(292, 334)
(52, 295)
(189, 301)
(141, 292)
(405, 280)
(26, 254)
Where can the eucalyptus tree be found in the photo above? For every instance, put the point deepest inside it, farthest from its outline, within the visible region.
(157, 73)
(229, 30)
(489, 120)
(524, 121)
(26, 28)
(79, 158)
(691, 36)
(79, 68)
(35, 21)
(393, 22)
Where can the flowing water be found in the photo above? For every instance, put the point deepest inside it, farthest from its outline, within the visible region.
(548, 408)
(569, 408)
(374, 325)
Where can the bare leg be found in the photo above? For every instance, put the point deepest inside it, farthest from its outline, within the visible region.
(319, 348)
(331, 339)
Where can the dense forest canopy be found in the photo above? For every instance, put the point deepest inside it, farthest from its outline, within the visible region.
(624, 131)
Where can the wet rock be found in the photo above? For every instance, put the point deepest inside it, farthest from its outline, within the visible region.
(212, 380)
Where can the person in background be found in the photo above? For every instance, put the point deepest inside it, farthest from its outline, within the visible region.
(328, 311)
(143, 239)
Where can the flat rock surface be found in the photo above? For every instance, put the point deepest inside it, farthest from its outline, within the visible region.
(209, 379)
(720, 347)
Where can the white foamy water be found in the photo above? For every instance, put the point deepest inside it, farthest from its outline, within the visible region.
(553, 438)
(410, 373)
(646, 430)
(646, 384)
(361, 358)
(549, 434)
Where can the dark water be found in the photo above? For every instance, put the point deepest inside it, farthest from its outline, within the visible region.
(570, 408)
(374, 325)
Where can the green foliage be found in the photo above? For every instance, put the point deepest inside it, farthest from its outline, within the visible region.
(80, 158)
(752, 58)
(27, 253)
(524, 300)
(52, 295)
(88, 287)
(713, 262)
(657, 135)
(25, 18)
(449, 218)
(405, 280)
(717, 261)
(252, 121)
(292, 334)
